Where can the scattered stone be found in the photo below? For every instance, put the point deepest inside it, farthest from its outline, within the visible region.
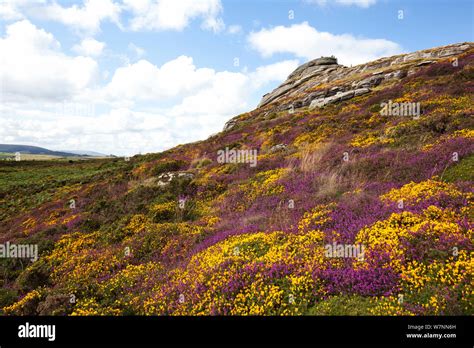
(361, 91)
(399, 74)
(279, 147)
(166, 178)
(230, 124)
(370, 82)
(426, 62)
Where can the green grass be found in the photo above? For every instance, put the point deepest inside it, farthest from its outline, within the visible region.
(28, 184)
(463, 171)
(342, 305)
(26, 173)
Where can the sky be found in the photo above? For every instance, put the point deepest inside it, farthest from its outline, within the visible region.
(137, 76)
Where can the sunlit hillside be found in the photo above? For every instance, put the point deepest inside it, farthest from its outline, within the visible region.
(186, 232)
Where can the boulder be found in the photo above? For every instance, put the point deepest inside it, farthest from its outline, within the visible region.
(230, 124)
(166, 178)
(279, 147)
(425, 62)
(361, 91)
(340, 96)
(369, 82)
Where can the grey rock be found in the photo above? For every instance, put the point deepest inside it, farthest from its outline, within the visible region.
(318, 103)
(399, 74)
(279, 147)
(302, 88)
(166, 178)
(345, 95)
(230, 124)
(311, 63)
(426, 62)
(372, 81)
(361, 91)
(340, 96)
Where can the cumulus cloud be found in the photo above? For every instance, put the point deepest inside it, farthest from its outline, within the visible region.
(273, 72)
(87, 17)
(307, 42)
(9, 10)
(118, 131)
(144, 15)
(89, 47)
(144, 80)
(54, 99)
(144, 107)
(174, 15)
(33, 66)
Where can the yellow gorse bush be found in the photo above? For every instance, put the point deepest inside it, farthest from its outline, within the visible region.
(417, 192)
(16, 308)
(370, 138)
(387, 235)
(214, 268)
(463, 133)
(317, 217)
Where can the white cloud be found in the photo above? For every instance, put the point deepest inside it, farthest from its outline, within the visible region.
(200, 100)
(87, 17)
(234, 29)
(224, 94)
(213, 24)
(227, 95)
(89, 47)
(360, 3)
(144, 80)
(273, 72)
(307, 42)
(119, 131)
(32, 65)
(13, 9)
(173, 14)
(136, 50)
(9, 10)
(51, 99)
(197, 87)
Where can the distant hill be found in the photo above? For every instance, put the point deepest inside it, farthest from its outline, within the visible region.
(34, 150)
(86, 153)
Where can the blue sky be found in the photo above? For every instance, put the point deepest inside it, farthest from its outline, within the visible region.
(124, 76)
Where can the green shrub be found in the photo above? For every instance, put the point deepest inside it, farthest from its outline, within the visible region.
(35, 276)
(7, 297)
(168, 166)
(342, 305)
(462, 171)
(162, 212)
(204, 162)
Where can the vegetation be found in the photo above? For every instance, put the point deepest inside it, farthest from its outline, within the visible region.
(232, 239)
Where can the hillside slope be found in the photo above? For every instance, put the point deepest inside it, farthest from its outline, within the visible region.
(344, 163)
